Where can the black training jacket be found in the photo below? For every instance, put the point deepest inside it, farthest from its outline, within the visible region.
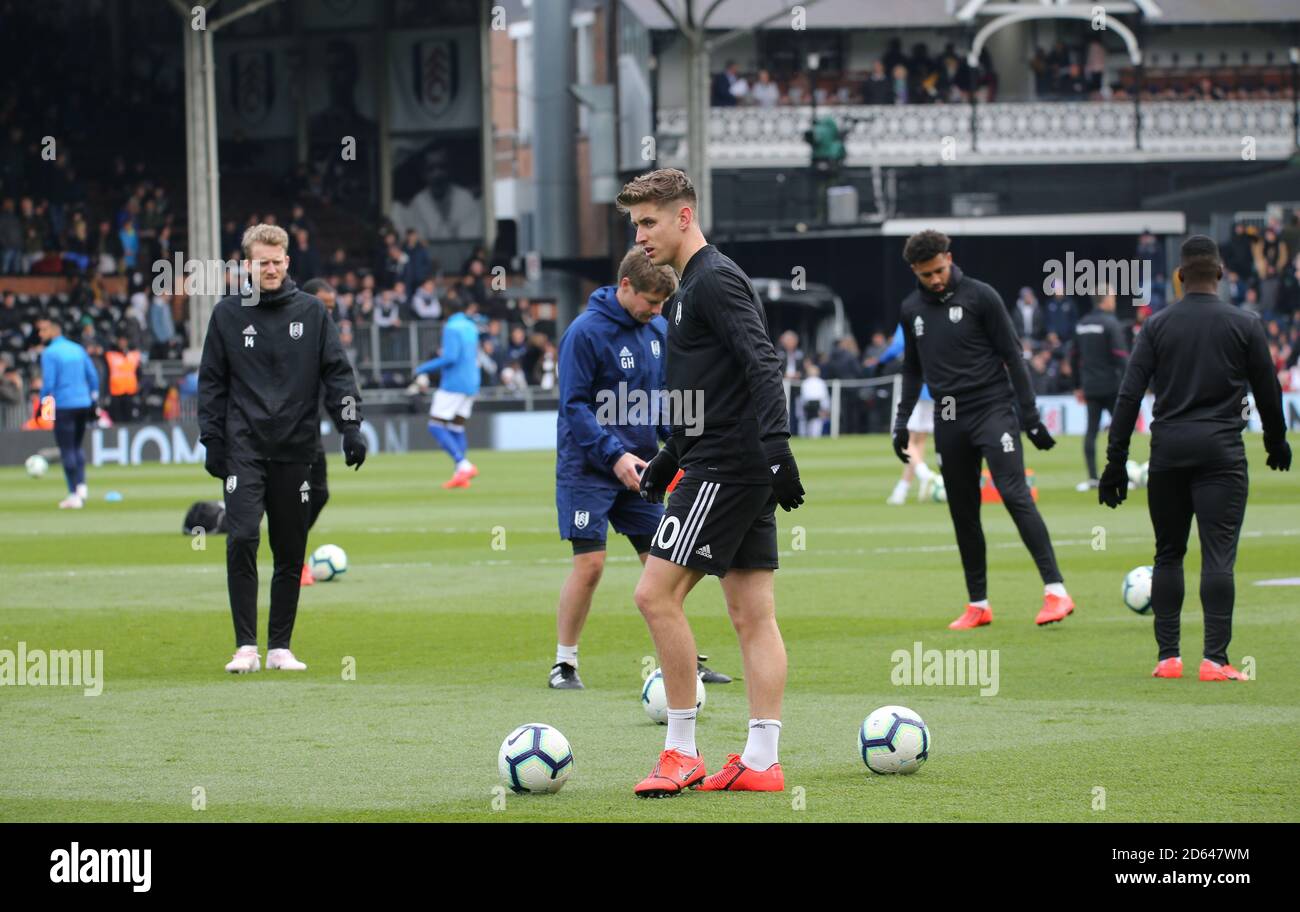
(962, 345)
(264, 371)
(719, 348)
(1100, 353)
(1198, 356)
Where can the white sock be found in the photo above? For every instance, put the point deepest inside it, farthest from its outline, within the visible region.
(760, 748)
(902, 486)
(464, 465)
(923, 471)
(681, 731)
(567, 654)
(1057, 589)
(982, 603)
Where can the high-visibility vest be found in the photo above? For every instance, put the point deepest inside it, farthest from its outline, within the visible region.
(122, 380)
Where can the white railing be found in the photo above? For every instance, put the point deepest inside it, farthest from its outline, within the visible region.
(1014, 132)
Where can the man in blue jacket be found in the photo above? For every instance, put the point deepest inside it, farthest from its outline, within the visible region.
(611, 420)
(453, 400)
(70, 387)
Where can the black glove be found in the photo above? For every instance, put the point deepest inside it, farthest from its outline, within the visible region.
(658, 474)
(1113, 487)
(1040, 438)
(354, 447)
(901, 440)
(1279, 454)
(785, 475)
(215, 460)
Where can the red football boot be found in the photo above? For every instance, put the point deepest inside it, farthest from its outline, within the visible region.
(736, 777)
(459, 480)
(306, 579)
(973, 617)
(674, 772)
(1213, 671)
(1168, 668)
(1055, 608)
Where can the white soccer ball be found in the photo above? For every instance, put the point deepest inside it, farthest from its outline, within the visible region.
(328, 562)
(654, 699)
(1137, 473)
(535, 759)
(37, 466)
(893, 739)
(1137, 589)
(939, 490)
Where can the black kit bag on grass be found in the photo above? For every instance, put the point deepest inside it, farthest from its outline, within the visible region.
(208, 515)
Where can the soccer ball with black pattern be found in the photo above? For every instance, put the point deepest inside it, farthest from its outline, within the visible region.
(1137, 589)
(535, 759)
(893, 739)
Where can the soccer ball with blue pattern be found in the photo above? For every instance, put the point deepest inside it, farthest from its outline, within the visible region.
(328, 562)
(893, 739)
(654, 699)
(1137, 589)
(535, 758)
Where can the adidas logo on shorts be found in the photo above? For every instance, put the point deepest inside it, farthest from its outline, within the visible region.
(704, 552)
(305, 491)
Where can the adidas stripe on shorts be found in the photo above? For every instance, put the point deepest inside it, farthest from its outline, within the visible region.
(718, 526)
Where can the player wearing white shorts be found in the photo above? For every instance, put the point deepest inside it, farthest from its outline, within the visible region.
(919, 425)
(453, 400)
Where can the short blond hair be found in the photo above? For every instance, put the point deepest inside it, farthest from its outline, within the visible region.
(273, 235)
(665, 186)
(645, 276)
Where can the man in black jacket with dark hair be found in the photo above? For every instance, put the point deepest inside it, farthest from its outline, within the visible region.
(266, 360)
(1199, 356)
(1099, 353)
(958, 340)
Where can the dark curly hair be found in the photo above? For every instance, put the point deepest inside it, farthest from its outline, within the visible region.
(925, 245)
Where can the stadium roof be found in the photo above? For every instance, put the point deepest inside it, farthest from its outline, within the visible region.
(840, 14)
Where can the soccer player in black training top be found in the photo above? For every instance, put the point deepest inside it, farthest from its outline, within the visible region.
(958, 339)
(737, 466)
(1099, 354)
(265, 361)
(1198, 355)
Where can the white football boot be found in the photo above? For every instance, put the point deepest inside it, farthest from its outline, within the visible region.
(71, 502)
(245, 661)
(82, 491)
(899, 497)
(925, 481)
(283, 659)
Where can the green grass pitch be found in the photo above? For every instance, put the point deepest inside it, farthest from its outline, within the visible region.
(452, 639)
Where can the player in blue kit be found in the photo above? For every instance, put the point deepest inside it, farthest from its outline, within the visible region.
(610, 423)
(453, 400)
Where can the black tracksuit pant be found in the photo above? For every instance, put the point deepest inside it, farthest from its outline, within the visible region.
(1216, 496)
(1096, 405)
(283, 491)
(320, 490)
(989, 433)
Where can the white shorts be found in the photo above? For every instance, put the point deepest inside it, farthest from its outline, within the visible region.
(448, 406)
(922, 420)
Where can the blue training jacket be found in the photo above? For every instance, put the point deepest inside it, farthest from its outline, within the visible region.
(603, 348)
(459, 359)
(68, 374)
(895, 350)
